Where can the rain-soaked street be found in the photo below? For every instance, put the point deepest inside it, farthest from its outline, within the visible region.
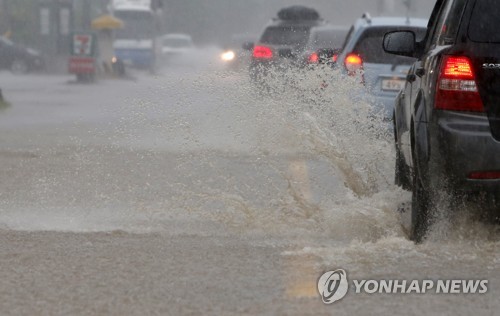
(190, 192)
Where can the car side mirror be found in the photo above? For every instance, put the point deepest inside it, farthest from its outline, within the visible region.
(400, 43)
(248, 46)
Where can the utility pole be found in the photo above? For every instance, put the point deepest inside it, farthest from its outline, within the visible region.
(86, 14)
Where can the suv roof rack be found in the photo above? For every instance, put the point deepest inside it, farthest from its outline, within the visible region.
(298, 12)
(367, 17)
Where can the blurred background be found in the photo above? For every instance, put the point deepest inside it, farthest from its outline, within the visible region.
(46, 25)
(151, 167)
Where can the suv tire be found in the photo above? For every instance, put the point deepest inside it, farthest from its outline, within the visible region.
(421, 205)
(401, 174)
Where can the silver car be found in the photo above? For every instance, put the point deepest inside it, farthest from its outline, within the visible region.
(324, 40)
(362, 54)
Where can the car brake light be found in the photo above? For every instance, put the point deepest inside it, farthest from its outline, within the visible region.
(484, 175)
(456, 87)
(262, 52)
(314, 58)
(335, 57)
(457, 67)
(353, 63)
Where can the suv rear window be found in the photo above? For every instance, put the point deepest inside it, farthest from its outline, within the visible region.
(484, 24)
(370, 46)
(286, 35)
(328, 38)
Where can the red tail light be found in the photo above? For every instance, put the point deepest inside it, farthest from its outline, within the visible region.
(335, 57)
(456, 87)
(353, 63)
(262, 52)
(484, 175)
(314, 58)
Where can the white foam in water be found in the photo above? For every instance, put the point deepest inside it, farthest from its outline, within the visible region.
(304, 170)
(212, 145)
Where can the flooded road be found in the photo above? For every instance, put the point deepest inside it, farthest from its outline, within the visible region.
(189, 192)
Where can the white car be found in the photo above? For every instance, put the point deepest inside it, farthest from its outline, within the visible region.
(176, 44)
(383, 74)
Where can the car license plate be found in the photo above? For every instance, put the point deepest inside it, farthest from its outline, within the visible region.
(392, 84)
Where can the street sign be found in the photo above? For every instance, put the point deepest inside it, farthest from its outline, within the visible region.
(83, 52)
(82, 45)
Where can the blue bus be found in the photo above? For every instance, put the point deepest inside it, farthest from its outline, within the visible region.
(137, 43)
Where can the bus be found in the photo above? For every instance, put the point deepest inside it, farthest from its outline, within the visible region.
(137, 43)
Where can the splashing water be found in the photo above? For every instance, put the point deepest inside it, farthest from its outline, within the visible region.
(308, 156)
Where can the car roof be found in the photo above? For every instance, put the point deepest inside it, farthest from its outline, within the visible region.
(177, 36)
(390, 21)
(310, 23)
(331, 28)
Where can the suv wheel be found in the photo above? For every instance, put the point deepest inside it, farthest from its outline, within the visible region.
(402, 174)
(420, 209)
(19, 66)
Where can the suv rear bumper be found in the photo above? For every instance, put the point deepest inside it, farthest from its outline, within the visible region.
(465, 145)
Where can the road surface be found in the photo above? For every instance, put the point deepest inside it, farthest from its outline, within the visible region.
(190, 193)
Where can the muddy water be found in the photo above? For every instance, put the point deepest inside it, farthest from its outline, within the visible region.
(193, 192)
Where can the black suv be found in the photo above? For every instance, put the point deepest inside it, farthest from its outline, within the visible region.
(284, 40)
(447, 117)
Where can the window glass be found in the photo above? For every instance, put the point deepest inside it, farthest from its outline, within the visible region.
(286, 35)
(448, 30)
(328, 38)
(435, 23)
(485, 23)
(137, 25)
(348, 37)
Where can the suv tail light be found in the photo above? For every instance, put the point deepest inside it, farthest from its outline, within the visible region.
(353, 63)
(456, 86)
(314, 58)
(262, 52)
(484, 175)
